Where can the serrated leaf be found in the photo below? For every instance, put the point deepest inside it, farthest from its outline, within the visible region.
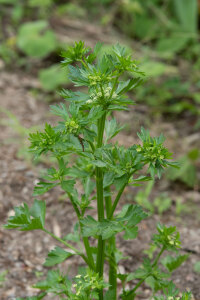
(28, 219)
(60, 110)
(106, 228)
(68, 185)
(55, 283)
(56, 256)
(132, 214)
(130, 233)
(125, 221)
(108, 179)
(172, 263)
(99, 163)
(128, 85)
(142, 178)
(43, 187)
(112, 129)
(38, 210)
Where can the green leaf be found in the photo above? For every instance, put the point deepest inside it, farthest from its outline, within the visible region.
(187, 14)
(43, 187)
(56, 256)
(108, 179)
(187, 173)
(109, 295)
(130, 233)
(53, 77)
(172, 263)
(68, 185)
(105, 228)
(130, 216)
(156, 69)
(163, 203)
(38, 210)
(74, 236)
(35, 40)
(197, 267)
(74, 53)
(3, 277)
(125, 86)
(167, 237)
(99, 163)
(28, 219)
(112, 129)
(169, 46)
(55, 283)
(39, 297)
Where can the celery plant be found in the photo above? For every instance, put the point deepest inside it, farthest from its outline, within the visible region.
(104, 170)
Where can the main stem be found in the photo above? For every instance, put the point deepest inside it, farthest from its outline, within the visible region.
(100, 204)
(112, 259)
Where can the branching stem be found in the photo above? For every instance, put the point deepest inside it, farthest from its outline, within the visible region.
(154, 264)
(69, 246)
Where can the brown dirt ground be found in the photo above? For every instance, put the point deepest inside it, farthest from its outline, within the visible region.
(22, 254)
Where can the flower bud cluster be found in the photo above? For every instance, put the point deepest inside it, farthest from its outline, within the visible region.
(152, 151)
(103, 94)
(172, 241)
(72, 127)
(89, 281)
(95, 79)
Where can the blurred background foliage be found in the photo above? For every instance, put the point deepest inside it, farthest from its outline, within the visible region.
(164, 34)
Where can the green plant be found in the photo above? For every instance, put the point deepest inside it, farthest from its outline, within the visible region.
(3, 277)
(160, 204)
(53, 77)
(22, 134)
(197, 267)
(35, 39)
(188, 171)
(103, 170)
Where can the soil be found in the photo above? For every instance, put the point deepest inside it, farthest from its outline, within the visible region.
(23, 253)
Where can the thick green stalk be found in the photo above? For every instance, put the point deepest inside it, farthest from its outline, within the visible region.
(112, 260)
(100, 204)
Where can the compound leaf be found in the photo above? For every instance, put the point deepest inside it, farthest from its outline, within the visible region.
(28, 219)
(56, 256)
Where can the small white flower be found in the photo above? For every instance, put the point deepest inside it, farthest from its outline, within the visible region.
(89, 101)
